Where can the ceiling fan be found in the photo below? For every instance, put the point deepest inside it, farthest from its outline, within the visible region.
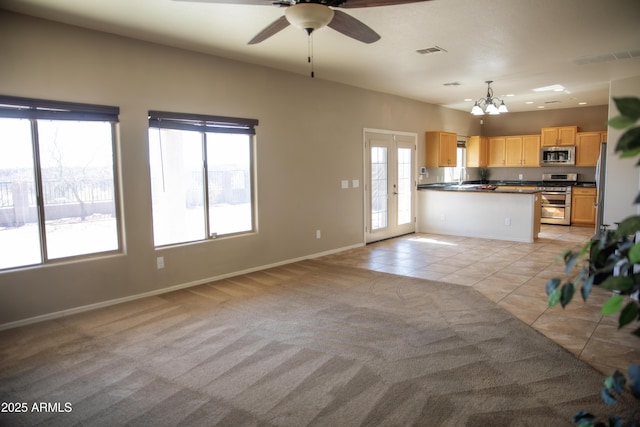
(315, 14)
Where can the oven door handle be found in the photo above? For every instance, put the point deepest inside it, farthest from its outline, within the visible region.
(553, 193)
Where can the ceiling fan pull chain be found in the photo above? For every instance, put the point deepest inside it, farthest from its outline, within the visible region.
(310, 52)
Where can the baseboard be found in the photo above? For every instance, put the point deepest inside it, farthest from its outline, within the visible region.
(89, 307)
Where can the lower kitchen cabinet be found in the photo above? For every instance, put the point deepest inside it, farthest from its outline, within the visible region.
(583, 206)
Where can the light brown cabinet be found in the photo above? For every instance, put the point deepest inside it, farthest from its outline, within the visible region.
(477, 152)
(514, 151)
(583, 206)
(522, 150)
(565, 135)
(440, 149)
(497, 151)
(588, 148)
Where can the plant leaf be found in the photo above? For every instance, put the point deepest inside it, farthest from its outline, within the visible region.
(621, 122)
(618, 381)
(566, 294)
(583, 419)
(615, 421)
(612, 305)
(628, 106)
(629, 314)
(570, 261)
(617, 283)
(608, 397)
(585, 290)
(552, 285)
(634, 379)
(634, 254)
(628, 226)
(629, 143)
(554, 297)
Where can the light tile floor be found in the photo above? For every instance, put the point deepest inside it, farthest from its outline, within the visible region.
(513, 275)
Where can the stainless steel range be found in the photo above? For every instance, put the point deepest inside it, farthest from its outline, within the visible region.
(556, 197)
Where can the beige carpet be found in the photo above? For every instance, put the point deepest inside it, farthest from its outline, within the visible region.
(307, 344)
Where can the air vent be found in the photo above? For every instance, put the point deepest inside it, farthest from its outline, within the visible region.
(434, 49)
(551, 102)
(451, 84)
(606, 57)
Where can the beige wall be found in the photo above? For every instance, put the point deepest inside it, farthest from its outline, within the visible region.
(587, 119)
(310, 137)
(622, 180)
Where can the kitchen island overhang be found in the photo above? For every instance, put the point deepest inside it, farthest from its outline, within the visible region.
(468, 211)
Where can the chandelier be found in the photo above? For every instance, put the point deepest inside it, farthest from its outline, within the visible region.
(493, 105)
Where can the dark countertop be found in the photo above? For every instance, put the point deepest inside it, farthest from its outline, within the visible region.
(441, 185)
(474, 188)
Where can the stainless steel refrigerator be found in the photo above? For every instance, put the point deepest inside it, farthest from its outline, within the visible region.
(601, 167)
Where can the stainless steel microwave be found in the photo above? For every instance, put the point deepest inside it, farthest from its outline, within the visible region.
(558, 156)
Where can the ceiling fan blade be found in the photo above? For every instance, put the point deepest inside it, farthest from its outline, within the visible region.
(276, 26)
(350, 26)
(352, 4)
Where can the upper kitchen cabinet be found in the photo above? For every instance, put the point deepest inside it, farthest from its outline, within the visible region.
(565, 135)
(522, 150)
(477, 151)
(588, 148)
(497, 151)
(514, 151)
(440, 149)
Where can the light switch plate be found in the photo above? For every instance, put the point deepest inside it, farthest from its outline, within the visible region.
(355, 183)
(345, 183)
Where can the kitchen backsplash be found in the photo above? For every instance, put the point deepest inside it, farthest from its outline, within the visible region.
(511, 174)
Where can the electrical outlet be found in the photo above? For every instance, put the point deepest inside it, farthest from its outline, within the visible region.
(160, 262)
(318, 234)
(507, 221)
(520, 177)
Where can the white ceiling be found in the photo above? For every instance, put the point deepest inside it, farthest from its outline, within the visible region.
(519, 44)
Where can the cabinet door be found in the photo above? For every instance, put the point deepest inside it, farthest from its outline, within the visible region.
(497, 151)
(440, 149)
(531, 150)
(549, 137)
(513, 151)
(477, 151)
(567, 135)
(448, 146)
(587, 148)
(583, 211)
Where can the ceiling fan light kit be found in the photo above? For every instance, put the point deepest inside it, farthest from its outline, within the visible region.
(493, 105)
(309, 16)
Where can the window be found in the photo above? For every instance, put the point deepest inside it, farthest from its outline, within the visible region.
(459, 172)
(57, 181)
(201, 176)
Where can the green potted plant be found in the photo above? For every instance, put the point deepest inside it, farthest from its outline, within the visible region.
(611, 260)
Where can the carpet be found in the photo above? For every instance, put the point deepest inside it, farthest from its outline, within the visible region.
(305, 344)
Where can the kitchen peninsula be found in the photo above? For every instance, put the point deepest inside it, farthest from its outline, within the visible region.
(472, 210)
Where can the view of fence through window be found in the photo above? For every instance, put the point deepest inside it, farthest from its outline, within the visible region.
(75, 173)
(182, 212)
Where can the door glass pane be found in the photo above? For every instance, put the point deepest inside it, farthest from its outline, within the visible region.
(177, 191)
(379, 186)
(76, 161)
(229, 181)
(19, 233)
(404, 186)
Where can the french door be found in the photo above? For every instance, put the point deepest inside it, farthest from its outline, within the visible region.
(390, 189)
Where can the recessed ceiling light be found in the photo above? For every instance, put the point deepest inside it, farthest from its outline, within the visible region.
(510, 94)
(541, 106)
(582, 103)
(555, 88)
(468, 100)
(529, 102)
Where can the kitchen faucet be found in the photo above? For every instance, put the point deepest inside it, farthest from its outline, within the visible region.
(463, 172)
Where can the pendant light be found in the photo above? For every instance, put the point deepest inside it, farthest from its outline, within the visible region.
(492, 104)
